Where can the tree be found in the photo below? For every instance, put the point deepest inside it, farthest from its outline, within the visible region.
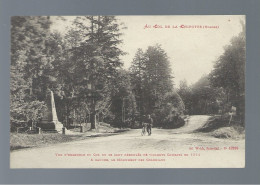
(123, 104)
(97, 58)
(170, 112)
(60, 76)
(28, 59)
(229, 73)
(158, 78)
(137, 73)
(205, 98)
(151, 77)
(185, 93)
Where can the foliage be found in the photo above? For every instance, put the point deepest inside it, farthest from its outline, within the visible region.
(80, 66)
(123, 105)
(229, 73)
(223, 87)
(96, 54)
(170, 112)
(205, 98)
(28, 61)
(186, 95)
(153, 86)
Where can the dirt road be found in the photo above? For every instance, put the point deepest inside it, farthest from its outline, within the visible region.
(171, 148)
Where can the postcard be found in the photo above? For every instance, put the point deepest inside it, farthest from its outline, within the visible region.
(127, 91)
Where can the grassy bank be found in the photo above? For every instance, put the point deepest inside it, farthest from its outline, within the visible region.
(219, 127)
(25, 140)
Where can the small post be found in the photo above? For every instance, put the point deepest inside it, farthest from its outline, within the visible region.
(232, 112)
(96, 123)
(81, 128)
(63, 130)
(38, 130)
(230, 119)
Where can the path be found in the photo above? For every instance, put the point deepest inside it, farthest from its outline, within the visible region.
(170, 148)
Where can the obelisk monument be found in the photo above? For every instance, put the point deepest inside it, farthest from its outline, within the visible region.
(50, 120)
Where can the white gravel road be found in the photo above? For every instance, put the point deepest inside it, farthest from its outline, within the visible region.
(165, 148)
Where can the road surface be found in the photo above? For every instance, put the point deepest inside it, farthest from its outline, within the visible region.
(165, 148)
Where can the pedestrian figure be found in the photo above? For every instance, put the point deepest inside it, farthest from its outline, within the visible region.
(149, 124)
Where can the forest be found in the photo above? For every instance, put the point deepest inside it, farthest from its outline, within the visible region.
(224, 87)
(83, 68)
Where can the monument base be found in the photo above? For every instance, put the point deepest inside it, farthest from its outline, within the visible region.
(51, 126)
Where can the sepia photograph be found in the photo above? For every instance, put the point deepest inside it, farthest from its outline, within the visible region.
(101, 91)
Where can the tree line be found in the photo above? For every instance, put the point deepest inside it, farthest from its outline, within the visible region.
(223, 87)
(83, 68)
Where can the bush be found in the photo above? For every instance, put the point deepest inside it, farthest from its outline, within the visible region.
(170, 115)
(22, 126)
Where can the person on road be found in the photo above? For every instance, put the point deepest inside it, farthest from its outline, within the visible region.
(149, 125)
(144, 125)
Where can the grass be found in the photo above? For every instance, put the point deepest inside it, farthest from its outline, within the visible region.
(219, 127)
(214, 122)
(25, 140)
(229, 132)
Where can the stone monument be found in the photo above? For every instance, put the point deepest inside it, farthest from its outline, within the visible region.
(50, 120)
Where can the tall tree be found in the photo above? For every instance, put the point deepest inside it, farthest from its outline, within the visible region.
(153, 85)
(185, 93)
(158, 77)
(137, 72)
(123, 104)
(97, 57)
(205, 98)
(229, 72)
(28, 59)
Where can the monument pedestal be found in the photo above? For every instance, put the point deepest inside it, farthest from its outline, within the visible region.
(51, 126)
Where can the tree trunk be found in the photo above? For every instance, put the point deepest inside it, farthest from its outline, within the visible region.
(93, 115)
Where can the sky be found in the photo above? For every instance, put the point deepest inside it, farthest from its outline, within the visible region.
(191, 51)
